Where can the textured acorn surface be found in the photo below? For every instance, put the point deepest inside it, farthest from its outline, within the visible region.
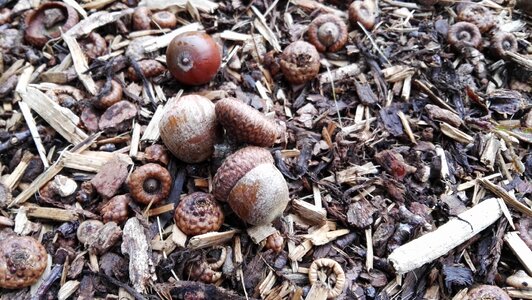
(22, 262)
(300, 62)
(235, 166)
(198, 213)
(116, 209)
(188, 128)
(245, 123)
(260, 196)
(140, 179)
(487, 292)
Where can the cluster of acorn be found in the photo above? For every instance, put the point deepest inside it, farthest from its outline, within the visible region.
(190, 127)
(247, 179)
(300, 61)
(475, 20)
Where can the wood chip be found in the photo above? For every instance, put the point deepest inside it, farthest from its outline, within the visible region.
(159, 42)
(309, 212)
(203, 5)
(259, 233)
(211, 239)
(508, 199)
(80, 64)
(51, 213)
(96, 20)
(61, 119)
(520, 249)
(136, 245)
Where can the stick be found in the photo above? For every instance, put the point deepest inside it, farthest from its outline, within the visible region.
(439, 242)
(520, 249)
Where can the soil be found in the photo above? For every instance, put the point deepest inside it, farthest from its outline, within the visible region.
(400, 132)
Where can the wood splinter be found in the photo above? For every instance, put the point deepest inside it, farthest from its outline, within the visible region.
(432, 245)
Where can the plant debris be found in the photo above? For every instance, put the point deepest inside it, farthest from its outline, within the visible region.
(383, 148)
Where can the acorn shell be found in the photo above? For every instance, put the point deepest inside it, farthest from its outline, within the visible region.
(188, 128)
(235, 166)
(245, 123)
(198, 213)
(260, 196)
(202, 55)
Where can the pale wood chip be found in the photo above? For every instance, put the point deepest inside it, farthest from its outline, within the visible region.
(234, 36)
(80, 64)
(311, 5)
(507, 197)
(60, 118)
(77, 7)
(520, 249)
(162, 41)
(97, 4)
(203, 5)
(51, 213)
(456, 134)
(262, 26)
(96, 20)
(211, 239)
(92, 161)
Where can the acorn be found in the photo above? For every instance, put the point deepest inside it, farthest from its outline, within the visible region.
(487, 292)
(251, 184)
(464, 34)
(164, 19)
(87, 229)
(246, 124)
(479, 15)
(189, 129)
(363, 12)
(327, 33)
(193, 58)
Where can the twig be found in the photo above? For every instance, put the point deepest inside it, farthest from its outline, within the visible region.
(15, 140)
(432, 245)
(47, 283)
(118, 283)
(140, 75)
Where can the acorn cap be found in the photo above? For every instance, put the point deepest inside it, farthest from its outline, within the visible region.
(245, 123)
(22, 261)
(235, 167)
(300, 62)
(198, 213)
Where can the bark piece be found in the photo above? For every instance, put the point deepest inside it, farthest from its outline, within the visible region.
(104, 239)
(110, 178)
(439, 114)
(90, 118)
(360, 214)
(394, 164)
(137, 246)
(117, 117)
